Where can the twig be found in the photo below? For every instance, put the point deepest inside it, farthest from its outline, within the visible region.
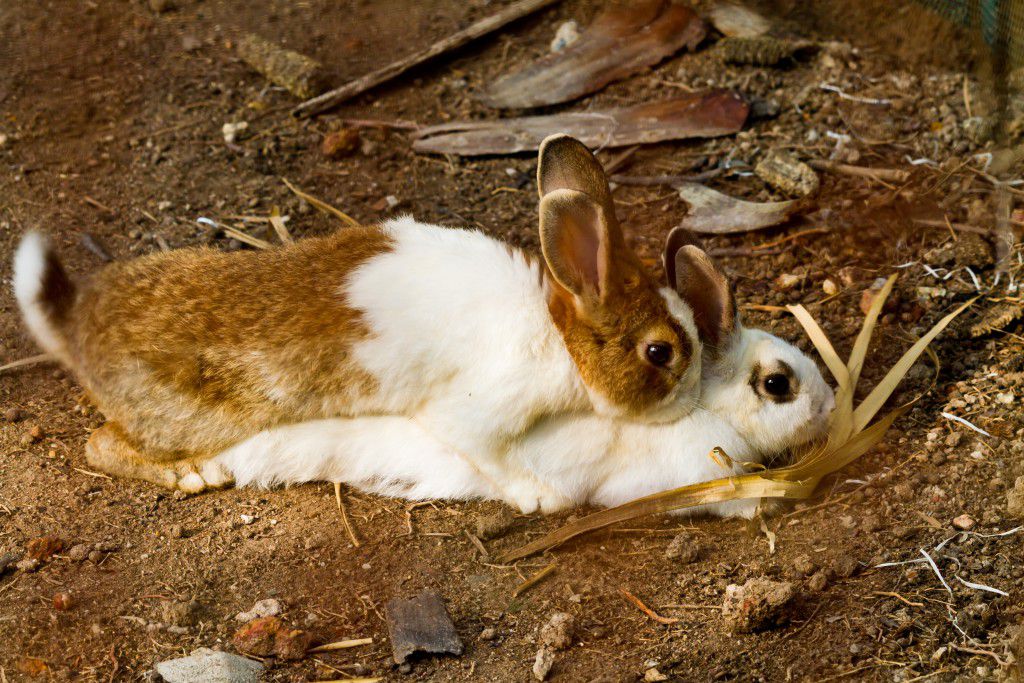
(279, 227)
(962, 227)
(670, 180)
(742, 251)
(102, 207)
(686, 605)
(98, 475)
(534, 580)
(246, 238)
(647, 610)
(891, 594)
(976, 651)
(374, 123)
(94, 246)
(360, 85)
(340, 645)
(321, 205)
(344, 514)
(789, 238)
(31, 360)
(619, 160)
(478, 544)
(893, 175)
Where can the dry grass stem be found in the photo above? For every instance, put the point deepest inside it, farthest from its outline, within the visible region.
(340, 645)
(321, 205)
(279, 227)
(344, 515)
(647, 610)
(534, 580)
(850, 435)
(24, 362)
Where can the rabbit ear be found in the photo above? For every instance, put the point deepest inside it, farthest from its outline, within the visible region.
(575, 240)
(677, 238)
(565, 163)
(702, 285)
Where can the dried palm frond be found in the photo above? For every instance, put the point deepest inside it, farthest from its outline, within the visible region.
(850, 436)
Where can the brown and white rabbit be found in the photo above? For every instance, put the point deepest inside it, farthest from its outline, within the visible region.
(189, 352)
(760, 397)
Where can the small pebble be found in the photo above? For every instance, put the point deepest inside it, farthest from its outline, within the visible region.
(804, 565)
(14, 414)
(683, 549)
(489, 633)
(557, 633)
(62, 601)
(96, 557)
(78, 552)
(963, 522)
(818, 581)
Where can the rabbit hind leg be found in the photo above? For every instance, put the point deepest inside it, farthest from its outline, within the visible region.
(109, 451)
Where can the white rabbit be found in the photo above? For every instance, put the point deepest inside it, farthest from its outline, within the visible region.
(191, 351)
(760, 396)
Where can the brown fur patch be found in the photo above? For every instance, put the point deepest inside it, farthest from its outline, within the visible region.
(191, 351)
(604, 340)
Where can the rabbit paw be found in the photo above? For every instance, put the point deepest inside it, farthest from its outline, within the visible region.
(108, 451)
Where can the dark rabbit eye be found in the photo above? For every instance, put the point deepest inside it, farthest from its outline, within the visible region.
(658, 353)
(776, 384)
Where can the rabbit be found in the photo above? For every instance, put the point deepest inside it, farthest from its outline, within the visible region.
(760, 396)
(191, 351)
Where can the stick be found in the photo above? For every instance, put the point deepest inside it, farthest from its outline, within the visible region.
(533, 580)
(92, 243)
(893, 175)
(332, 98)
(340, 645)
(344, 514)
(279, 227)
(31, 360)
(647, 610)
(962, 227)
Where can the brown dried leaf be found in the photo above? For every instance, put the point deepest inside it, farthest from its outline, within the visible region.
(997, 318)
(696, 115)
(623, 39)
(712, 212)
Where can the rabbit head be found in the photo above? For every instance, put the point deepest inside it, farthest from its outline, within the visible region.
(769, 390)
(634, 342)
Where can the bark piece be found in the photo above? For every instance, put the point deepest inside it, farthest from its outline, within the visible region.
(697, 115)
(302, 76)
(621, 41)
(715, 213)
(421, 624)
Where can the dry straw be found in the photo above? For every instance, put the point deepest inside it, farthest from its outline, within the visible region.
(850, 436)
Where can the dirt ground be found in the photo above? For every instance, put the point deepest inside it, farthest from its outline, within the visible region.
(111, 115)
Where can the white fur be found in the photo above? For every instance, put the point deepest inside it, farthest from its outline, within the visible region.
(462, 338)
(560, 461)
(29, 270)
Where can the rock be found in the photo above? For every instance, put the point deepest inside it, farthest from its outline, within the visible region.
(340, 143)
(62, 601)
(489, 633)
(868, 297)
(757, 605)
(43, 548)
(184, 614)
(1015, 499)
(804, 565)
(844, 566)
(234, 130)
(818, 581)
(79, 552)
(302, 76)
(8, 560)
(96, 556)
(787, 174)
(190, 43)
(210, 666)
(963, 522)
(34, 434)
(683, 548)
(161, 6)
(176, 531)
(829, 287)
(496, 525)
(568, 32)
(28, 565)
(761, 108)
(14, 414)
(420, 624)
(263, 608)
(787, 281)
(542, 663)
(271, 637)
(557, 633)
(652, 675)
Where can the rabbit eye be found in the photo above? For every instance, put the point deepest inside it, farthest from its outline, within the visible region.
(776, 384)
(658, 353)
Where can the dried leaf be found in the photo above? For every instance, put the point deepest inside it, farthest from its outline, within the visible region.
(712, 212)
(997, 318)
(695, 115)
(623, 39)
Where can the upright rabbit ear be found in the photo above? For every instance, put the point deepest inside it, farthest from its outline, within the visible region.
(565, 163)
(678, 238)
(574, 236)
(579, 234)
(702, 285)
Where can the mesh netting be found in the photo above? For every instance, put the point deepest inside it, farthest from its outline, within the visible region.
(999, 22)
